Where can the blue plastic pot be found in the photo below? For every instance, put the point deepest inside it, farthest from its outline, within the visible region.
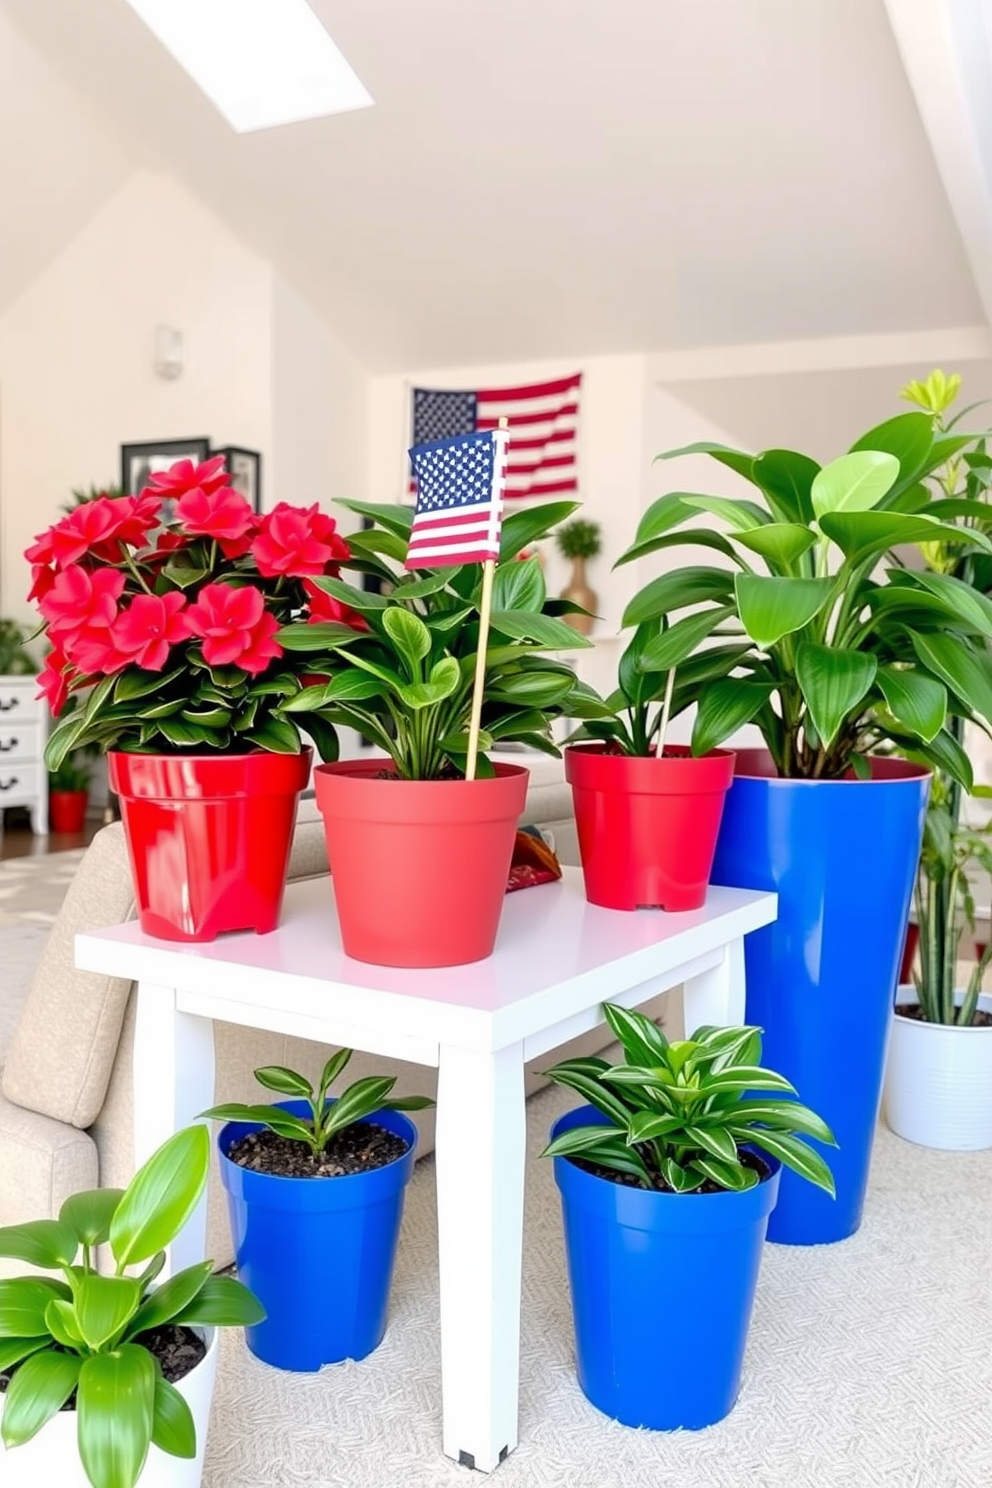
(317, 1252)
(842, 856)
(630, 1254)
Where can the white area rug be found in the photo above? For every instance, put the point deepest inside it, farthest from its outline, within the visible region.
(32, 888)
(869, 1363)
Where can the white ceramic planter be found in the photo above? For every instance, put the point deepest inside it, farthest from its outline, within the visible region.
(938, 1081)
(51, 1458)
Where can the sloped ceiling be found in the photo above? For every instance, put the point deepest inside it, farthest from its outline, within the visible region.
(59, 163)
(546, 178)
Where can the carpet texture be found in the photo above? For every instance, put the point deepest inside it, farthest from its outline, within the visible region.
(32, 888)
(869, 1362)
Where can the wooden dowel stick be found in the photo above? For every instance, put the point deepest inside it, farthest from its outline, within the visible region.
(478, 687)
(666, 709)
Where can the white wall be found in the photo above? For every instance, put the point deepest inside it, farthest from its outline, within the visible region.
(76, 374)
(320, 410)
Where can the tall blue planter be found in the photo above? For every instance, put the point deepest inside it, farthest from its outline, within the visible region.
(842, 856)
(631, 1255)
(317, 1252)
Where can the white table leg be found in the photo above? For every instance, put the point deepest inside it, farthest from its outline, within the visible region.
(481, 1139)
(716, 996)
(173, 1065)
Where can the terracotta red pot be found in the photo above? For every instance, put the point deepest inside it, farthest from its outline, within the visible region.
(419, 867)
(209, 838)
(647, 827)
(67, 810)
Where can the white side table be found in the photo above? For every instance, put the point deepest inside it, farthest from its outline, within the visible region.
(23, 729)
(557, 960)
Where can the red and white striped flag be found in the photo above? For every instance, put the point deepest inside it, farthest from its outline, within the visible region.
(459, 500)
(542, 419)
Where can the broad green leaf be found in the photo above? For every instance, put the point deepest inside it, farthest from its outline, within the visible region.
(683, 1180)
(833, 682)
(744, 1077)
(277, 735)
(173, 1427)
(444, 681)
(781, 544)
(60, 1319)
(680, 640)
(365, 601)
(13, 1350)
(408, 634)
(521, 528)
(333, 1068)
(285, 1081)
(375, 543)
(729, 1175)
(739, 515)
(47, 1243)
(362, 1099)
(724, 707)
(519, 585)
(676, 590)
(530, 689)
(695, 537)
(90, 1213)
(104, 1305)
(908, 436)
(854, 482)
(38, 1389)
(222, 1302)
(323, 635)
(584, 1075)
(272, 1116)
(796, 1155)
(735, 460)
(414, 588)
(787, 477)
(715, 1140)
(859, 534)
(347, 687)
(137, 683)
(23, 1301)
(390, 515)
(964, 601)
(771, 608)
(915, 699)
(664, 514)
(646, 1125)
(966, 672)
(545, 630)
(170, 1298)
(608, 1148)
(943, 752)
(789, 1114)
(161, 1196)
(642, 1040)
(116, 1406)
(636, 685)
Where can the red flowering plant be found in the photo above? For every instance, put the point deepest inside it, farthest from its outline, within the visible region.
(165, 633)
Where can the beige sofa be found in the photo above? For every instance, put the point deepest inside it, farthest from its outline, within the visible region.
(65, 1107)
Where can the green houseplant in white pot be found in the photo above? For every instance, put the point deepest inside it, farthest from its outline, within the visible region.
(109, 1377)
(938, 1075)
(419, 854)
(842, 653)
(667, 1179)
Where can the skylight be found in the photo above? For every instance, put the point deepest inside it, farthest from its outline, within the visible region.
(260, 62)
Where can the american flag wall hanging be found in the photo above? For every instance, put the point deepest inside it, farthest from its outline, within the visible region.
(542, 419)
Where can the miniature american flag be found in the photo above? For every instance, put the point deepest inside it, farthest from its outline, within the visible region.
(459, 500)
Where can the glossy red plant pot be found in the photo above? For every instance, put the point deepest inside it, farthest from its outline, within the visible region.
(67, 810)
(419, 867)
(209, 838)
(647, 827)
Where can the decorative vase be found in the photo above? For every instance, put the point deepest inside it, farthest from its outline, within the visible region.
(318, 1253)
(418, 867)
(938, 1079)
(52, 1457)
(627, 1249)
(647, 827)
(67, 810)
(842, 856)
(578, 591)
(209, 838)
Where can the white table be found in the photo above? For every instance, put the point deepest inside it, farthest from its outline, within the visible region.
(557, 960)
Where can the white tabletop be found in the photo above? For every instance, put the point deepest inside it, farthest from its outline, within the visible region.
(552, 950)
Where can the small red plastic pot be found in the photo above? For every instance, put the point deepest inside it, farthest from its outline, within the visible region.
(419, 867)
(67, 810)
(647, 827)
(209, 838)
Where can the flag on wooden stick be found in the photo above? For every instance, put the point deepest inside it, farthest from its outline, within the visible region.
(459, 500)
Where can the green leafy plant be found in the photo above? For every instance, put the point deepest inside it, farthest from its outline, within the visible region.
(405, 680)
(81, 1331)
(579, 538)
(832, 646)
(15, 659)
(327, 1118)
(73, 774)
(679, 1113)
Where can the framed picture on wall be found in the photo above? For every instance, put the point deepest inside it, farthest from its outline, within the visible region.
(139, 461)
(244, 466)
